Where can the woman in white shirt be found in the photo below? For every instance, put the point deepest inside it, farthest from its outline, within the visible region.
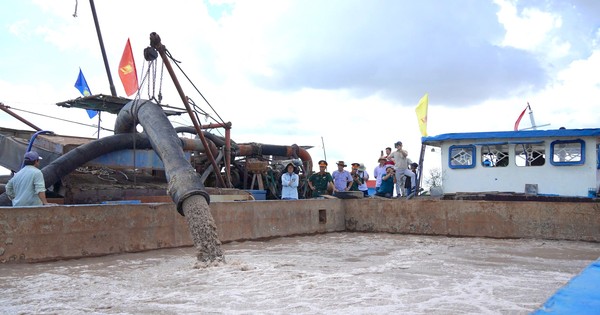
(289, 183)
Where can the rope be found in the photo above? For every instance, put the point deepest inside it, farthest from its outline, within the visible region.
(103, 173)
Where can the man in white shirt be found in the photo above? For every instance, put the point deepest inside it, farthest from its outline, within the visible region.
(379, 172)
(401, 163)
(27, 187)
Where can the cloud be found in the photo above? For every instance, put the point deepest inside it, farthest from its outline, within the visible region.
(396, 49)
(287, 71)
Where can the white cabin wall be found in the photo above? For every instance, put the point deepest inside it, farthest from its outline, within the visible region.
(572, 180)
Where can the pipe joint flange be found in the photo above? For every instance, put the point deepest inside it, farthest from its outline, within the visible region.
(188, 194)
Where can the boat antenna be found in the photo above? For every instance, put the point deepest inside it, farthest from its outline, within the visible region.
(75, 13)
(533, 125)
(324, 153)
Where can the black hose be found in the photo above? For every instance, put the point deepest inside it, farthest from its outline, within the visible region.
(183, 179)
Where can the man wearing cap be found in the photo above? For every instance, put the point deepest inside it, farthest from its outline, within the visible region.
(342, 180)
(402, 161)
(319, 182)
(379, 171)
(27, 187)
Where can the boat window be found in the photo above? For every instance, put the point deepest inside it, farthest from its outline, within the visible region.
(567, 152)
(494, 155)
(462, 156)
(530, 154)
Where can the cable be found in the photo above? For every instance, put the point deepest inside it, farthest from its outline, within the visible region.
(168, 53)
(73, 122)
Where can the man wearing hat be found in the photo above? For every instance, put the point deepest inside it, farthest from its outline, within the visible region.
(320, 182)
(289, 183)
(27, 187)
(379, 171)
(363, 177)
(342, 180)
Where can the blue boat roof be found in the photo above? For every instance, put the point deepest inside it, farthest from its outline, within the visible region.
(506, 135)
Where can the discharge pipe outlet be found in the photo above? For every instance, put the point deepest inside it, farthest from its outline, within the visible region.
(183, 179)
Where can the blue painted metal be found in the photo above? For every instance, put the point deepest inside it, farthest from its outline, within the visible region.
(580, 296)
(258, 194)
(558, 142)
(592, 132)
(144, 159)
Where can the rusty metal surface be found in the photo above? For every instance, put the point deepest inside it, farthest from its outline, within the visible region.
(31, 234)
(105, 103)
(509, 196)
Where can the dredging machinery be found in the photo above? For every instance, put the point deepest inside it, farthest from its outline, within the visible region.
(161, 160)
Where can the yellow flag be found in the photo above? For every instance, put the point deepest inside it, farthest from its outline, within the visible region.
(421, 111)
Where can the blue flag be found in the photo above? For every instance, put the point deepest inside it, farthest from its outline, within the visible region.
(84, 89)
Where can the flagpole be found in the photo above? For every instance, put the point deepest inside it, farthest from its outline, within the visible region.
(99, 120)
(420, 169)
(113, 91)
(324, 153)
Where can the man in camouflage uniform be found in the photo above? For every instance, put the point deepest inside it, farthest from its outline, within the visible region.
(319, 182)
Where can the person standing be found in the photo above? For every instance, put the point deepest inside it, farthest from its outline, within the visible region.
(356, 180)
(379, 172)
(387, 183)
(388, 157)
(342, 180)
(364, 177)
(409, 190)
(320, 182)
(27, 187)
(289, 183)
(401, 162)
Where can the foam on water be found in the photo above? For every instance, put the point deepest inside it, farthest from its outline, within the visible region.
(332, 273)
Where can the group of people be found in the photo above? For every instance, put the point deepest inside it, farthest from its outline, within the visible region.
(27, 187)
(395, 169)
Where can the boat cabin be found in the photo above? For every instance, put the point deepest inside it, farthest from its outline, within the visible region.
(562, 162)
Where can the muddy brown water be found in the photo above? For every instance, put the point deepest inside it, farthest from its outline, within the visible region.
(335, 273)
(204, 232)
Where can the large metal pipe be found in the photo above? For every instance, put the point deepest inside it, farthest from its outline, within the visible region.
(185, 185)
(183, 179)
(248, 149)
(217, 141)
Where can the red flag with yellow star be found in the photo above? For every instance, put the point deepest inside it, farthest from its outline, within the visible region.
(127, 71)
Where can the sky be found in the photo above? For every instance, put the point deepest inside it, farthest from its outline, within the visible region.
(343, 76)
